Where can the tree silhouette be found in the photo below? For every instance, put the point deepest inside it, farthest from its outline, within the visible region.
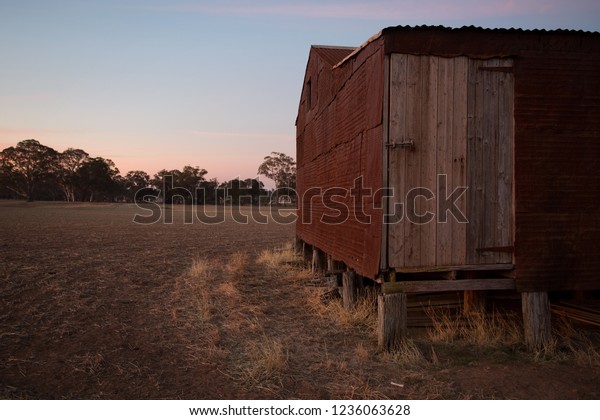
(69, 163)
(280, 168)
(96, 179)
(27, 167)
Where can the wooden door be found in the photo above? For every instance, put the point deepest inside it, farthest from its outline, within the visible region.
(490, 136)
(450, 127)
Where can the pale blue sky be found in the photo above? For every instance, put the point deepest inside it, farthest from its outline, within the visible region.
(160, 84)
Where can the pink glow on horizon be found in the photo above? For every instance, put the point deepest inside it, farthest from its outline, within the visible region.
(222, 134)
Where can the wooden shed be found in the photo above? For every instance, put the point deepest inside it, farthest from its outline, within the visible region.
(438, 159)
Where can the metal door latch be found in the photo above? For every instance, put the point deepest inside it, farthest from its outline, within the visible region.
(409, 144)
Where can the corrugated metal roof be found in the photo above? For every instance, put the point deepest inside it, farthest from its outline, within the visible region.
(332, 54)
(479, 29)
(464, 29)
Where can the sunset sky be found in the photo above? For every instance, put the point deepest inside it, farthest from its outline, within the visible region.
(155, 84)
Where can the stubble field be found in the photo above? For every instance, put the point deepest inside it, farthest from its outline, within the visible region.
(93, 305)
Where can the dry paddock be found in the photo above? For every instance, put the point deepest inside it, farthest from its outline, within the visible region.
(93, 305)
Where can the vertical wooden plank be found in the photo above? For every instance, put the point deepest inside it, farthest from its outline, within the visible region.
(397, 160)
(536, 319)
(505, 160)
(490, 161)
(471, 163)
(417, 69)
(428, 151)
(391, 320)
(490, 118)
(490, 158)
(445, 94)
(459, 156)
(383, 260)
(475, 158)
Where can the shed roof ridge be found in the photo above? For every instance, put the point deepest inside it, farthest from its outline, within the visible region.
(483, 29)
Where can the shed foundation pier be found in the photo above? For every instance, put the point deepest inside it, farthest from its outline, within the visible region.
(391, 320)
(536, 319)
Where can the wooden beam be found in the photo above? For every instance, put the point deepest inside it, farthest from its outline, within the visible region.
(391, 320)
(473, 267)
(448, 285)
(536, 319)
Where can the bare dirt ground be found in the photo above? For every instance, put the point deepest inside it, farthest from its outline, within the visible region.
(93, 305)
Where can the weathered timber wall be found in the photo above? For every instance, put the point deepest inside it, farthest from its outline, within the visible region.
(556, 147)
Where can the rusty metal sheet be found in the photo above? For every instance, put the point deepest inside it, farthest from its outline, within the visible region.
(557, 150)
(341, 143)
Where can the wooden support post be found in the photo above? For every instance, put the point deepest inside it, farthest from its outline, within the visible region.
(536, 319)
(322, 261)
(319, 261)
(330, 265)
(349, 289)
(307, 253)
(474, 302)
(316, 261)
(298, 245)
(391, 319)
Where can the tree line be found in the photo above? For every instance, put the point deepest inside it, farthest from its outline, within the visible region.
(33, 171)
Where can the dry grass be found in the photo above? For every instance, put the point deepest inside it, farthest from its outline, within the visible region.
(362, 315)
(496, 330)
(362, 353)
(237, 263)
(201, 271)
(198, 279)
(267, 361)
(229, 289)
(407, 354)
(573, 345)
(279, 258)
(585, 352)
(486, 330)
